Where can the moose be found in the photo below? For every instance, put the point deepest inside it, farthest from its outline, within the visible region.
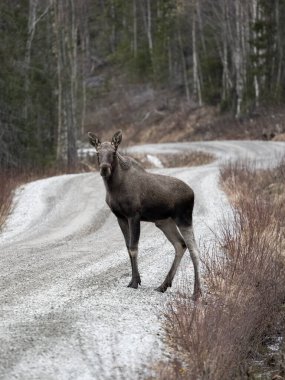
(135, 195)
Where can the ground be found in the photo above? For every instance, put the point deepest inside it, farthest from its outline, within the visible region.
(66, 310)
(148, 115)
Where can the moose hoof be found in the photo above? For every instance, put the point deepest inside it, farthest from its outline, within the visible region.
(134, 283)
(162, 288)
(197, 295)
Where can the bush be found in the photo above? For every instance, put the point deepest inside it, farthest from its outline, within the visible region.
(245, 281)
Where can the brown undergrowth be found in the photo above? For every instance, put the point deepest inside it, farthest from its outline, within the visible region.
(195, 158)
(6, 189)
(244, 278)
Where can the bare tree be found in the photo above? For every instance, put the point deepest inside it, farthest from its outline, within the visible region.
(70, 87)
(135, 29)
(33, 20)
(196, 80)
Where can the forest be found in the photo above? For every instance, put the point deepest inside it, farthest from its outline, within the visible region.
(59, 58)
(177, 71)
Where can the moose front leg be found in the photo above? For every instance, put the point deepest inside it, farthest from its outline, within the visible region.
(124, 225)
(134, 231)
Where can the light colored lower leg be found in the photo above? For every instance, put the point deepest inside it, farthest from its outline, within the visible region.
(133, 252)
(168, 227)
(188, 235)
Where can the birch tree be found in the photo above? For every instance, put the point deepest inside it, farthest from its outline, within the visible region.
(196, 80)
(65, 22)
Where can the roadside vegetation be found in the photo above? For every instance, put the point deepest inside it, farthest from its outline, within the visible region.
(7, 186)
(182, 159)
(225, 336)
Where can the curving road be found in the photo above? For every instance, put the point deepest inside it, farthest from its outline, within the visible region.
(65, 310)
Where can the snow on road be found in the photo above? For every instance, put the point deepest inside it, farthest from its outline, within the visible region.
(66, 312)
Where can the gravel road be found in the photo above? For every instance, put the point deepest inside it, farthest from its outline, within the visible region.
(65, 310)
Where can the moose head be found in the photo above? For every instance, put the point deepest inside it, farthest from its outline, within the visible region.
(106, 152)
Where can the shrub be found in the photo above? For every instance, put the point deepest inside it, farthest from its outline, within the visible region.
(244, 278)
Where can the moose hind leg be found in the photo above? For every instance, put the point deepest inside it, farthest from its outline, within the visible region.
(188, 235)
(168, 227)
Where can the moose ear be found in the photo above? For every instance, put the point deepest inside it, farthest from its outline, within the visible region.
(94, 140)
(116, 140)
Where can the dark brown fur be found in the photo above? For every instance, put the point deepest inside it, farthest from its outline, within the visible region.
(135, 195)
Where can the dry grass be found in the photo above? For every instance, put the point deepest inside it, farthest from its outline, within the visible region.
(7, 186)
(149, 115)
(245, 281)
(183, 159)
(176, 160)
(187, 159)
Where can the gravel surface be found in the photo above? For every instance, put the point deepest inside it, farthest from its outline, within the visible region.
(66, 312)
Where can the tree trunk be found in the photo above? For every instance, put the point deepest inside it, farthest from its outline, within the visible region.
(226, 75)
(238, 59)
(66, 30)
(31, 32)
(196, 79)
(135, 29)
(149, 33)
(280, 50)
(185, 76)
(72, 130)
(256, 54)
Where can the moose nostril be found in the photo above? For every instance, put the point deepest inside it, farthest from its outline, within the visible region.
(105, 169)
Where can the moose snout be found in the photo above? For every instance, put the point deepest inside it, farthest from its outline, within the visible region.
(105, 170)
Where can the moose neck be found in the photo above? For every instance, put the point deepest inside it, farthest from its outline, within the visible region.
(115, 178)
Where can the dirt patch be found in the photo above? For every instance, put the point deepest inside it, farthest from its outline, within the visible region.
(175, 160)
(148, 115)
(279, 137)
(203, 123)
(7, 185)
